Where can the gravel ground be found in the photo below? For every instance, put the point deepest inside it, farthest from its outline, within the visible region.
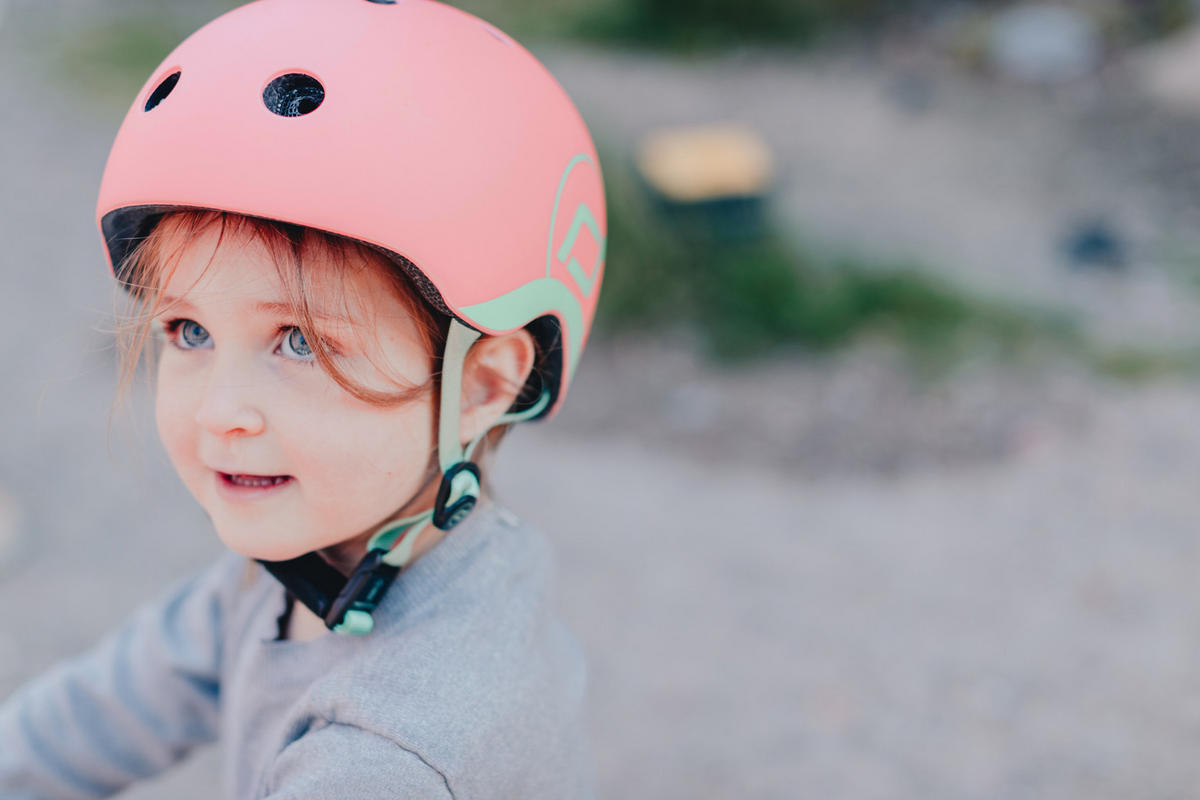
(809, 578)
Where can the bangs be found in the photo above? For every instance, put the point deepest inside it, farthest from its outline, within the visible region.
(316, 269)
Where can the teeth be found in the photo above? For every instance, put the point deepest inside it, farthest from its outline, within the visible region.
(255, 480)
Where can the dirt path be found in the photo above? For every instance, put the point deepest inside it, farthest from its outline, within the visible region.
(1023, 630)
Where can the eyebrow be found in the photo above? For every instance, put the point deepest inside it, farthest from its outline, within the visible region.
(271, 307)
(284, 308)
(170, 300)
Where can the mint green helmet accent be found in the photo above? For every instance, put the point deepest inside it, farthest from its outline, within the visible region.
(535, 299)
(355, 623)
(583, 216)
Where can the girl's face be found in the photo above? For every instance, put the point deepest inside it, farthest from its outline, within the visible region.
(282, 458)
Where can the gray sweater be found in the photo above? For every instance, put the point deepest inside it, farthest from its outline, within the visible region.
(469, 687)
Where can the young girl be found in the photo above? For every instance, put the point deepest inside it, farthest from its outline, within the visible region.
(370, 236)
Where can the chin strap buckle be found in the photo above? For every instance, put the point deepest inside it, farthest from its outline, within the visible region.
(351, 609)
(346, 604)
(446, 517)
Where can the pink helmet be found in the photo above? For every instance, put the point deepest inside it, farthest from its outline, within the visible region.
(410, 126)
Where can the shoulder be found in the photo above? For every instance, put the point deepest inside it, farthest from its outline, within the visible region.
(210, 592)
(340, 760)
(472, 667)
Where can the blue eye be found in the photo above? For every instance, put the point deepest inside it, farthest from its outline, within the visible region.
(294, 345)
(191, 335)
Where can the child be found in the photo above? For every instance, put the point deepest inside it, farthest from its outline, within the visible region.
(370, 236)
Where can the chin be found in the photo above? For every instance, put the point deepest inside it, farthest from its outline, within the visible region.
(253, 544)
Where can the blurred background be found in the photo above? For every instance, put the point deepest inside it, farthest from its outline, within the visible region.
(879, 478)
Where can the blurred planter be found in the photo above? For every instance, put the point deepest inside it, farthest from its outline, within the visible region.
(709, 183)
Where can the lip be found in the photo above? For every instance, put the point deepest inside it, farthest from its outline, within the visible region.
(232, 491)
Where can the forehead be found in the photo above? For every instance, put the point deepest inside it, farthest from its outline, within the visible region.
(237, 269)
(238, 266)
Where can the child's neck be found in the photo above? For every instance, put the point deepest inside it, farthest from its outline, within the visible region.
(345, 556)
(304, 625)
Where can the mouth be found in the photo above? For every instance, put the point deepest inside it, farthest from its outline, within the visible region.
(246, 485)
(255, 480)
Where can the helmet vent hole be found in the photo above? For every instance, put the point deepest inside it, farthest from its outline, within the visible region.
(383, 2)
(162, 90)
(293, 95)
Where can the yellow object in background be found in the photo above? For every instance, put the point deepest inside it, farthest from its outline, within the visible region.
(705, 162)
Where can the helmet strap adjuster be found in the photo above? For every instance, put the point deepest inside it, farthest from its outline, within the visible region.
(445, 516)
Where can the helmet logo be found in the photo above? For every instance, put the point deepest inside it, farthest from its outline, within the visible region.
(583, 216)
(574, 188)
(568, 286)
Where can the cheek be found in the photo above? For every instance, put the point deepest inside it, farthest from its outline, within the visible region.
(174, 411)
(366, 462)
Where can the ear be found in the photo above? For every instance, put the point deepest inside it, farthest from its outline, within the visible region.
(494, 373)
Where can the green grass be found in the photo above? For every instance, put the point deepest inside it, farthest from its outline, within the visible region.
(1155, 19)
(1140, 365)
(691, 26)
(699, 25)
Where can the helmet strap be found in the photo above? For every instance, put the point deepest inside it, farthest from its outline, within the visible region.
(345, 604)
(460, 487)
(461, 480)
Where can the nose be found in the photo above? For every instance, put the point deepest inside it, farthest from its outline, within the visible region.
(228, 407)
